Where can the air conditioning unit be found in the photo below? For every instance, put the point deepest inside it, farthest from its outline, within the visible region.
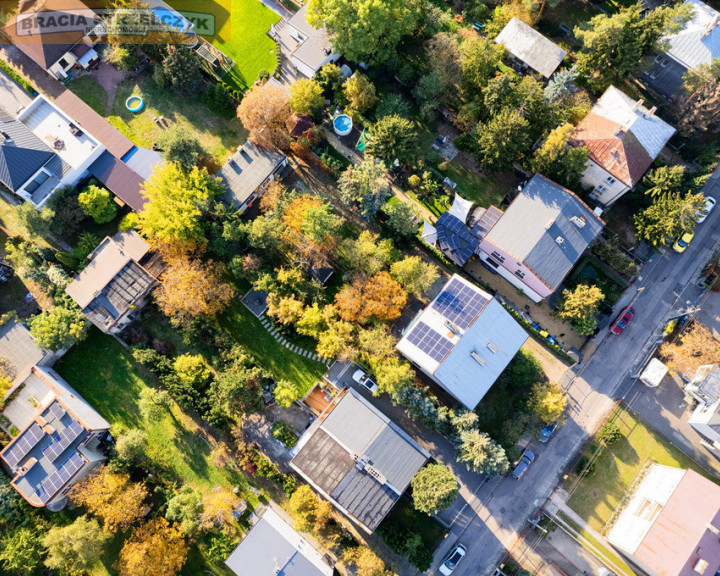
(479, 359)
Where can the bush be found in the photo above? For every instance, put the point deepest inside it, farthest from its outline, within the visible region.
(159, 76)
(610, 433)
(585, 466)
(97, 202)
(281, 431)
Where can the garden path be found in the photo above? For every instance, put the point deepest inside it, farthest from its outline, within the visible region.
(109, 78)
(289, 345)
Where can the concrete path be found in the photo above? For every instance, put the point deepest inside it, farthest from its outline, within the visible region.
(109, 78)
(277, 8)
(13, 96)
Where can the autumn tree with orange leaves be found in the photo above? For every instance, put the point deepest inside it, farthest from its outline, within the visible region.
(694, 348)
(378, 297)
(112, 497)
(157, 548)
(264, 111)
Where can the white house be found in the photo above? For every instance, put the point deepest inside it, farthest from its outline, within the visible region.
(313, 48)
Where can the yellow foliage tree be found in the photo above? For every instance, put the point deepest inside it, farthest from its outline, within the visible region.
(378, 297)
(264, 111)
(285, 309)
(694, 348)
(548, 401)
(157, 548)
(218, 507)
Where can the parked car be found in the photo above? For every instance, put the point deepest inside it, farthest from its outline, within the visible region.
(546, 432)
(683, 242)
(365, 381)
(622, 320)
(526, 459)
(451, 560)
(709, 205)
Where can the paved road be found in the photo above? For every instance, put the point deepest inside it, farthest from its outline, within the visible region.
(497, 513)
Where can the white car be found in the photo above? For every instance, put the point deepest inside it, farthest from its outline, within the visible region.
(365, 381)
(709, 205)
(451, 560)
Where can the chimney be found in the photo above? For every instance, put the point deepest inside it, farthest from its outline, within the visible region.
(652, 111)
(637, 104)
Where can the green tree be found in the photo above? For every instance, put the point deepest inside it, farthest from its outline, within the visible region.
(181, 146)
(668, 217)
(480, 57)
(186, 508)
(502, 141)
(368, 254)
(434, 488)
(580, 305)
(182, 69)
(37, 223)
(360, 93)
(131, 446)
(176, 203)
(321, 224)
(20, 551)
(97, 202)
(57, 329)
(561, 85)
(376, 343)
(548, 401)
(330, 79)
(393, 138)
(306, 96)
(560, 161)
(286, 393)
(698, 107)
(482, 454)
(365, 185)
(364, 30)
(414, 274)
(154, 404)
(74, 548)
(664, 180)
(401, 220)
(393, 374)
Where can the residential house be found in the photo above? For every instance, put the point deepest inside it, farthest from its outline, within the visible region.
(704, 387)
(529, 47)
(272, 547)
(312, 49)
(247, 173)
(669, 524)
(540, 237)
(696, 44)
(623, 139)
(116, 281)
(19, 351)
(55, 34)
(462, 340)
(58, 438)
(358, 459)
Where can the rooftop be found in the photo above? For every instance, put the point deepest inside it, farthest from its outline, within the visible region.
(528, 45)
(464, 339)
(358, 459)
(18, 348)
(120, 179)
(316, 47)
(548, 228)
(248, 168)
(699, 40)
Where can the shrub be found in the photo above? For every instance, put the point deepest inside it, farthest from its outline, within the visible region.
(610, 433)
(98, 203)
(585, 466)
(281, 431)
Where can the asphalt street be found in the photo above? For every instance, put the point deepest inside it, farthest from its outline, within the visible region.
(497, 510)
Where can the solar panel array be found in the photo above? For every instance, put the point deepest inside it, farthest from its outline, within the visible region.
(456, 241)
(56, 410)
(53, 483)
(430, 341)
(459, 303)
(22, 445)
(66, 437)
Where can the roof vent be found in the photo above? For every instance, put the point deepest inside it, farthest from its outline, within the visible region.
(559, 239)
(713, 529)
(361, 464)
(651, 111)
(700, 566)
(579, 221)
(452, 327)
(494, 349)
(6, 137)
(479, 359)
(375, 474)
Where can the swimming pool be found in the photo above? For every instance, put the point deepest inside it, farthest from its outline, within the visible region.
(343, 125)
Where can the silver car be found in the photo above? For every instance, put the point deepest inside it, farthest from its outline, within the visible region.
(365, 381)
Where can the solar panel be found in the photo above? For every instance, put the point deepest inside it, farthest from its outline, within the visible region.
(459, 303)
(53, 483)
(57, 410)
(429, 341)
(62, 440)
(23, 444)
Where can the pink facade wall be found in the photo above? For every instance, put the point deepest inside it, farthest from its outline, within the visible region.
(511, 265)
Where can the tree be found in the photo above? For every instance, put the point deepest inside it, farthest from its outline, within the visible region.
(480, 57)
(561, 85)
(181, 146)
(113, 497)
(664, 180)
(402, 220)
(218, 507)
(131, 446)
(414, 274)
(365, 561)
(434, 488)
(502, 140)
(378, 297)
(669, 216)
(393, 138)
(376, 343)
(76, 547)
(98, 203)
(157, 548)
(154, 404)
(330, 79)
(192, 288)
(186, 508)
(192, 370)
(392, 103)
(306, 96)
(176, 203)
(698, 107)
(482, 454)
(393, 374)
(337, 341)
(548, 401)
(37, 223)
(321, 225)
(20, 551)
(264, 111)
(360, 93)
(368, 254)
(57, 329)
(286, 310)
(560, 161)
(694, 348)
(372, 32)
(286, 393)
(239, 388)
(364, 184)
(303, 505)
(181, 69)
(579, 307)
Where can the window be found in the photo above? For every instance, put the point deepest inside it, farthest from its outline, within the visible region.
(610, 180)
(648, 509)
(38, 181)
(63, 63)
(492, 262)
(519, 274)
(664, 63)
(600, 188)
(498, 256)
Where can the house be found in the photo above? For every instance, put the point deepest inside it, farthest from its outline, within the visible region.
(115, 282)
(704, 387)
(313, 49)
(358, 459)
(462, 340)
(531, 48)
(272, 547)
(623, 139)
(58, 439)
(19, 351)
(669, 524)
(298, 124)
(55, 34)
(540, 237)
(696, 44)
(248, 171)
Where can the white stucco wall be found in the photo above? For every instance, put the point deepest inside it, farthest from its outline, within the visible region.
(595, 176)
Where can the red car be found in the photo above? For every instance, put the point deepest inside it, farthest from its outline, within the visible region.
(623, 320)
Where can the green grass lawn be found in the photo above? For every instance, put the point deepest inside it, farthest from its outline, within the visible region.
(90, 92)
(483, 190)
(595, 497)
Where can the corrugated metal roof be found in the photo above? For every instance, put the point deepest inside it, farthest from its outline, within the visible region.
(120, 179)
(247, 170)
(699, 40)
(531, 47)
(530, 227)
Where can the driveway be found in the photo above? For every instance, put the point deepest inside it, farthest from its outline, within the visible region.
(565, 554)
(13, 97)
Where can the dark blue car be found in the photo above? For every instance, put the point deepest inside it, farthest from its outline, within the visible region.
(546, 432)
(526, 459)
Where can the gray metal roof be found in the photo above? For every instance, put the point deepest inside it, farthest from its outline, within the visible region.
(316, 47)
(528, 45)
(18, 347)
(548, 228)
(699, 40)
(120, 179)
(247, 170)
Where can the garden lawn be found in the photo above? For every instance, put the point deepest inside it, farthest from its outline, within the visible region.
(281, 362)
(219, 135)
(595, 497)
(483, 190)
(241, 28)
(90, 92)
